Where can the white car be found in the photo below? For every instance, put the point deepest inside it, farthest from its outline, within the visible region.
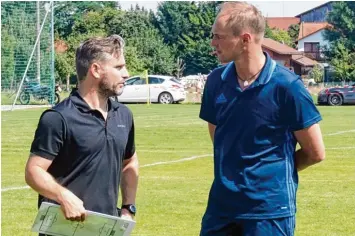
(161, 89)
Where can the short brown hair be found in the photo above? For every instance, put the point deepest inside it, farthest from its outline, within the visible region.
(242, 16)
(94, 50)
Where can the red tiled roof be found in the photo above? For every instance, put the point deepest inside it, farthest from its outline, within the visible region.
(309, 28)
(282, 22)
(303, 60)
(279, 47)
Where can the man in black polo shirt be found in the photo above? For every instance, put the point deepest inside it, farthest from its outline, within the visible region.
(84, 147)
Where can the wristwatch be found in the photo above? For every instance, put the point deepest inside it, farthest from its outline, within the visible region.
(130, 207)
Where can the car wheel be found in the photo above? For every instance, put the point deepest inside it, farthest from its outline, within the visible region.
(57, 99)
(335, 100)
(165, 98)
(24, 98)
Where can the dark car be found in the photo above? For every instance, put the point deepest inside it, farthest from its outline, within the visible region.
(337, 96)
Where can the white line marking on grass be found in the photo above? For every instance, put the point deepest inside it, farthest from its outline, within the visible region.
(163, 151)
(340, 132)
(175, 161)
(149, 116)
(142, 166)
(339, 148)
(14, 188)
(173, 124)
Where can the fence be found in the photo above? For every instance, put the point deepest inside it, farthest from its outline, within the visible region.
(27, 53)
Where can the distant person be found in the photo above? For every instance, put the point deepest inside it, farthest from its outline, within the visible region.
(257, 112)
(84, 147)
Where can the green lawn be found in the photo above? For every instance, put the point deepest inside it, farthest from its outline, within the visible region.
(172, 197)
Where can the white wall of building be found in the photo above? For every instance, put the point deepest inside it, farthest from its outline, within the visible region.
(313, 38)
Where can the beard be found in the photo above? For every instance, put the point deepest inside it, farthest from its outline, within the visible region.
(109, 90)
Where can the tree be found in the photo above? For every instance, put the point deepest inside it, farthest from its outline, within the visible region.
(268, 31)
(18, 38)
(65, 67)
(341, 37)
(8, 58)
(67, 13)
(90, 24)
(282, 36)
(317, 73)
(293, 31)
(343, 62)
(145, 45)
(180, 67)
(135, 64)
(279, 35)
(187, 26)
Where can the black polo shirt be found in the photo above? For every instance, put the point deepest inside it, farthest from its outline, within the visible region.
(87, 151)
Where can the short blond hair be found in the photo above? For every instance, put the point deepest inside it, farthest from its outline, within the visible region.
(243, 16)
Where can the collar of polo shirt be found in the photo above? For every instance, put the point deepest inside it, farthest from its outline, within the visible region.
(81, 104)
(263, 78)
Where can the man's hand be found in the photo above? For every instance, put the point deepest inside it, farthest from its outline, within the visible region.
(72, 207)
(125, 214)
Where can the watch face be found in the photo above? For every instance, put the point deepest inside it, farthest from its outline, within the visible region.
(132, 208)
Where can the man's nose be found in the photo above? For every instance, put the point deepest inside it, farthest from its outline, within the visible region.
(213, 42)
(124, 73)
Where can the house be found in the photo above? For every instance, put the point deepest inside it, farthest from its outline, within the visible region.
(317, 14)
(281, 23)
(302, 64)
(288, 57)
(313, 23)
(311, 40)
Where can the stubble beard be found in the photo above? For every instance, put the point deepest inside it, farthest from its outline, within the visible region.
(107, 91)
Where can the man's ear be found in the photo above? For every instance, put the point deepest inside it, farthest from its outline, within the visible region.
(95, 70)
(246, 38)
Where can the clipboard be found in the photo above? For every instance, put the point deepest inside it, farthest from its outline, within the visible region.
(50, 220)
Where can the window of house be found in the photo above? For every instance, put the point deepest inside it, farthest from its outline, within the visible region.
(311, 47)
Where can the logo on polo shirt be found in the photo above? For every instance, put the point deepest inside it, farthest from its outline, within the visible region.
(121, 126)
(221, 99)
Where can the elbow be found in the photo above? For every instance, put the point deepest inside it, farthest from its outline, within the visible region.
(131, 166)
(319, 156)
(134, 163)
(322, 157)
(28, 176)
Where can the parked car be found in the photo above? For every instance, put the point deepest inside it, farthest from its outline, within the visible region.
(161, 89)
(337, 96)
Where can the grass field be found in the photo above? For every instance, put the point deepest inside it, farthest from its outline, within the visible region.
(172, 196)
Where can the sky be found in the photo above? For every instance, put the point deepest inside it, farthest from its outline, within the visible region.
(268, 8)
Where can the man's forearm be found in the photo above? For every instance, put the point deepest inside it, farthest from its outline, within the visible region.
(303, 160)
(43, 183)
(129, 181)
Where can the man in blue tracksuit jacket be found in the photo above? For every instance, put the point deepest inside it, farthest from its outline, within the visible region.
(257, 111)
